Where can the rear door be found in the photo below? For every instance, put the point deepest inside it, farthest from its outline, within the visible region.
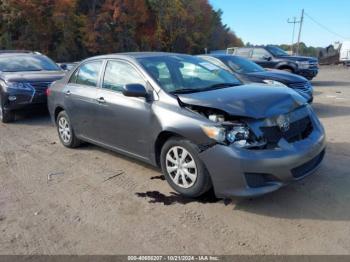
(80, 98)
(124, 122)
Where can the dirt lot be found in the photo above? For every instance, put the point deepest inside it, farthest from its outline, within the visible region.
(99, 202)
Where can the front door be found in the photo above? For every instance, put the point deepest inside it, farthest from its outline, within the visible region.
(262, 57)
(124, 122)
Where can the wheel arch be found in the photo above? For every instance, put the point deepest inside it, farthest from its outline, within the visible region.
(160, 141)
(58, 109)
(290, 66)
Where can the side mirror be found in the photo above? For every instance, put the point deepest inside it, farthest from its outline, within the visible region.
(134, 90)
(267, 58)
(64, 67)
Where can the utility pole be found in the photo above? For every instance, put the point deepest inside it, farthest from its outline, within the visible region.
(294, 21)
(301, 25)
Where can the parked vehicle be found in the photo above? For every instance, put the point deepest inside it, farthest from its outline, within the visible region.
(249, 72)
(345, 53)
(275, 57)
(191, 118)
(24, 78)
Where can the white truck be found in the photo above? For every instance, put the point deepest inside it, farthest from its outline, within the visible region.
(345, 53)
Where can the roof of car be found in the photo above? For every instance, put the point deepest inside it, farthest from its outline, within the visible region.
(135, 55)
(4, 52)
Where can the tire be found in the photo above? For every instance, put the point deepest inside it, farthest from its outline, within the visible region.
(65, 131)
(6, 116)
(192, 179)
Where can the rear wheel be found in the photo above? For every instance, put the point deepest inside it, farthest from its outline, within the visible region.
(183, 169)
(6, 116)
(65, 131)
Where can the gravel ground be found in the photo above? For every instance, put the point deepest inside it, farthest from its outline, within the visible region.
(89, 200)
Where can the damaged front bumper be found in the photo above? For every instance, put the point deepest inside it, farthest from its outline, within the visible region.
(244, 172)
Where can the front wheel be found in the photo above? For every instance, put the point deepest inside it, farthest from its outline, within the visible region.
(183, 169)
(6, 116)
(65, 131)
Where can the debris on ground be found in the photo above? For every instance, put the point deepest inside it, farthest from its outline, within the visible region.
(49, 176)
(114, 176)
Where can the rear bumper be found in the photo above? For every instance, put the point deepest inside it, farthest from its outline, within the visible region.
(247, 173)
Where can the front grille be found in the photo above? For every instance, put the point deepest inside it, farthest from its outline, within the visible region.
(313, 65)
(305, 168)
(40, 87)
(303, 86)
(298, 130)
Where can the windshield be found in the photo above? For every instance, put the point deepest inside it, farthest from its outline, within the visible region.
(276, 51)
(241, 65)
(28, 62)
(187, 74)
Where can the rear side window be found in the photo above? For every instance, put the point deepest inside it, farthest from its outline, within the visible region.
(118, 74)
(87, 74)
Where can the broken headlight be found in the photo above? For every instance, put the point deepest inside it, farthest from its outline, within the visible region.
(237, 134)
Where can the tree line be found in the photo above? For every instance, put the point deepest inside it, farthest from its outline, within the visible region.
(69, 30)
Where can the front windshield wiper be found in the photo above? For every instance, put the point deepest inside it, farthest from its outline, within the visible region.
(185, 90)
(220, 85)
(211, 87)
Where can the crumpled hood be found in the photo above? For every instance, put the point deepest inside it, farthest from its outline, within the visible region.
(253, 101)
(278, 75)
(40, 76)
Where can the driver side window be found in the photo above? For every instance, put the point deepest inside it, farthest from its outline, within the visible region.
(260, 54)
(118, 74)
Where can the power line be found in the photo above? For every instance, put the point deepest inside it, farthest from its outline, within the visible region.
(325, 27)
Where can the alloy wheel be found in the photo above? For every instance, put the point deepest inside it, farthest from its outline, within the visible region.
(64, 130)
(181, 167)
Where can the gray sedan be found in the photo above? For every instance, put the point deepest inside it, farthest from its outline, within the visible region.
(195, 121)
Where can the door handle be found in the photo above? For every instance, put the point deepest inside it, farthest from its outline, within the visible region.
(101, 100)
(67, 93)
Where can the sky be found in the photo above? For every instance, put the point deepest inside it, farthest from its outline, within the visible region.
(265, 21)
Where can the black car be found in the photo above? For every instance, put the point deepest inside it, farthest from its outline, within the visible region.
(275, 57)
(248, 71)
(24, 79)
